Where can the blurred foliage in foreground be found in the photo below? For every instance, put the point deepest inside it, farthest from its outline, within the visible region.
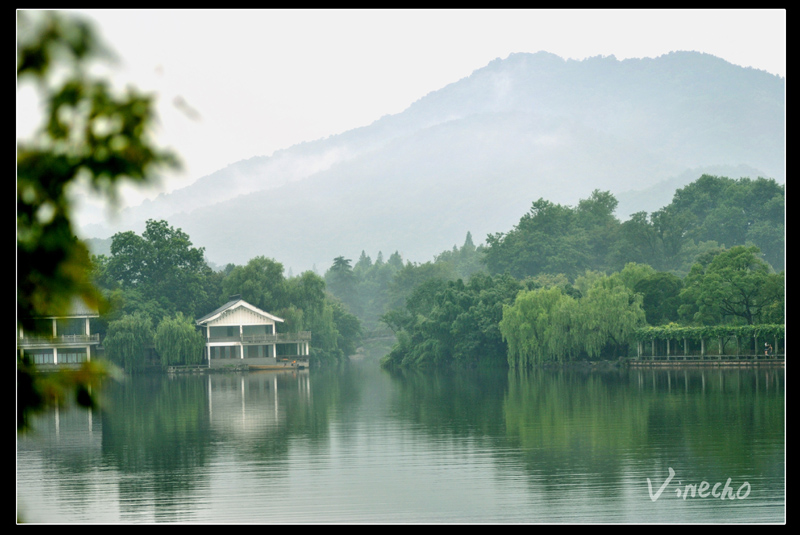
(91, 135)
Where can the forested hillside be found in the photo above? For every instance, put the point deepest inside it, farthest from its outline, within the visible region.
(656, 268)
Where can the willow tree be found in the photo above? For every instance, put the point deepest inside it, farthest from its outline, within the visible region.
(178, 342)
(127, 341)
(548, 324)
(536, 327)
(610, 312)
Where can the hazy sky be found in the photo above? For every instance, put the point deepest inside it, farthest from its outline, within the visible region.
(264, 80)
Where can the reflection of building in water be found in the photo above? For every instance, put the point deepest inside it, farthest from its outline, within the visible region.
(72, 433)
(240, 334)
(61, 340)
(253, 402)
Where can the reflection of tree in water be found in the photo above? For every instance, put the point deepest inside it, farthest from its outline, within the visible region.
(604, 424)
(568, 422)
(155, 433)
(706, 419)
(459, 402)
(721, 416)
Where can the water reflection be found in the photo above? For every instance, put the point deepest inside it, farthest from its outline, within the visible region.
(696, 418)
(360, 444)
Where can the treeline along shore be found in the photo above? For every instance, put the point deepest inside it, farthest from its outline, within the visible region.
(566, 284)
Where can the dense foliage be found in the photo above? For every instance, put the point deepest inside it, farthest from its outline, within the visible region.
(127, 341)
(556, 293)
(177, 341)
(711, 212)
(736, 286)
(591, 282)
(452, 323)
(552, 238)
(159, 273)
(371, 289)
(161, 276)
(548, 324)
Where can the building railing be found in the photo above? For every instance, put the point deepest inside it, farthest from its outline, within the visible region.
(66, 339)
(711, 357)
(277, 338)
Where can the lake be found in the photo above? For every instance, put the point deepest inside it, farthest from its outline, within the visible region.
(362, 445)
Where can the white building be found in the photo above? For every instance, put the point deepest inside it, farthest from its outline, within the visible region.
(61, 340)
(239, 333)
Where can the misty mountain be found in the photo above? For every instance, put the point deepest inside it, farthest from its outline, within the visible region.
(475, 154)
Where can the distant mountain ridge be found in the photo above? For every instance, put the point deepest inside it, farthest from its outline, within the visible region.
(475, 154)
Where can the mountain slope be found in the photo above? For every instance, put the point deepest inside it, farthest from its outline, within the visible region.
(475, 154)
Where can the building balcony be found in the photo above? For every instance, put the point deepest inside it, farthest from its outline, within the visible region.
(67, 340)
(262, 339)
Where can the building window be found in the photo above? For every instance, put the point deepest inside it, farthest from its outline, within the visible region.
(71, 356)
(224, 352)
(40, 356)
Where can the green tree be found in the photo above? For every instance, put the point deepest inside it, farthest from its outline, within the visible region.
(639, 241)
(410, 276)
(464, 261)
(306, 291)
(90, 134)
(610, 312)
(660, 297)
(595, 217)
(538, 327)
(364, 262)
(177, 341)
(735, 287)
(348, 328)
(373, 286)
(335, 332)
(341, 282)
(450, 323)
(546, 324)
(127, 341)
(731, 212)
(552, 238)
(260, 282)
(711, 209)
(163, 266)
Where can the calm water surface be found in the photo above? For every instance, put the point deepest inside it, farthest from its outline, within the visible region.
(363, 445)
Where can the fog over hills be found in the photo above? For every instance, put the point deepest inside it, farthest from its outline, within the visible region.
(475, 154)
